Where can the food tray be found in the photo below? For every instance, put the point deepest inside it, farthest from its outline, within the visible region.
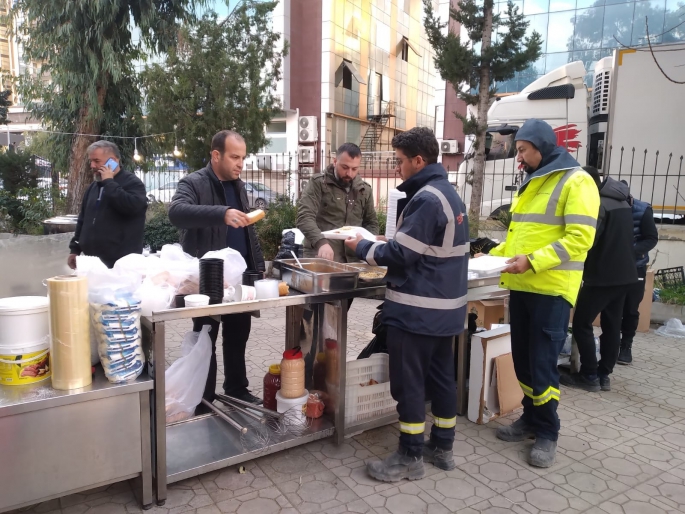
(318, 275)
(362, 267)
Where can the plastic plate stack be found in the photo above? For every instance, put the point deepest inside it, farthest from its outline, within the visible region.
(364, 403)
(390, 225)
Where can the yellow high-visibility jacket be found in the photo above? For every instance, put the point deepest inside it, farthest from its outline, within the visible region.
(554, 217)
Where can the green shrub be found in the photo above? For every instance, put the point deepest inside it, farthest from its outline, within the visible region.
(25, 211)
(158, 229)
(282, 214)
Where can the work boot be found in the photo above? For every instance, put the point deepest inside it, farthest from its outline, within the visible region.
(605, 382)
(519, 430)
(625, 356)
(443, 459)
(543, 453)
(580, 381)
(396, 467)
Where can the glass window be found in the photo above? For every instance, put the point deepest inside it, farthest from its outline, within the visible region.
(654, 11)
(618, 22)
(538, 23)
(561, 5)
(277, 145)
(560, 31)
(275, 126)
(498, 146)
(557, 60)
(675, 13)
(581, 4)
(588, 28)
(535, 6)
(383, 36)
(589, 59)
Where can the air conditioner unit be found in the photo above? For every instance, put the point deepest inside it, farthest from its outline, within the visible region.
(449, 146)
(308, 131)
(306, 171)
(307, 154)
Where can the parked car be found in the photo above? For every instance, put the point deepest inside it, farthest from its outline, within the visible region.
(259, 196)
(163, 194)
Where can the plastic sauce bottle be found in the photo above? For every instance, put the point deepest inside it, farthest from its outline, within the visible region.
(292, 374)
(272, 384)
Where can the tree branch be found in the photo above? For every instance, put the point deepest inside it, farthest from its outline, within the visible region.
(651, 50)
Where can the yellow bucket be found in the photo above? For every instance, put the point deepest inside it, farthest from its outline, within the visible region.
(25, 366)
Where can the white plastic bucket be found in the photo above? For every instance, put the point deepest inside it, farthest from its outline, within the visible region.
(296, 408)
(23, 322)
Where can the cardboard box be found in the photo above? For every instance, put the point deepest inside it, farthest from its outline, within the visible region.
(645, 308)
(488, 312)
(493, 388)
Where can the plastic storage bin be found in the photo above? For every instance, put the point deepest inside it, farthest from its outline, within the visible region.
(364, 403)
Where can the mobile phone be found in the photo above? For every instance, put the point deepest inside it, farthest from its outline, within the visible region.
(111, 164)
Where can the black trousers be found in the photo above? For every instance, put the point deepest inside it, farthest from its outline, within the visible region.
(235, 333)
(422, 366)
(592, 301)
(631, 313)
(539, 324)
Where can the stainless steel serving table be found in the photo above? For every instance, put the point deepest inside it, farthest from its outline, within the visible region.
(206, 443)
(54, 443)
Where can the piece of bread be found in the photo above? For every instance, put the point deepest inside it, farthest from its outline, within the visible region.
(283, 289)
(255, 216)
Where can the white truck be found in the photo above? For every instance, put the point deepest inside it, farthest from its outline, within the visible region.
(630, 126)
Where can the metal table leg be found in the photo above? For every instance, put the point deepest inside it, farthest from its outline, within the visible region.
(462, 396)
(341, 308)
(160, 413)
(146, 449)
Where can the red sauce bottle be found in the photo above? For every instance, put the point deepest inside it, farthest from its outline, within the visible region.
(272, 384)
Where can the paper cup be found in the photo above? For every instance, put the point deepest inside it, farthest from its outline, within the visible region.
(244, 293)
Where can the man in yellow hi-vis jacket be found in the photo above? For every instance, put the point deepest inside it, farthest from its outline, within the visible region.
(554, 216)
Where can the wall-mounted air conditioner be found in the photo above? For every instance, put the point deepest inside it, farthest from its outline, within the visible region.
(449, 146)
(307, 129)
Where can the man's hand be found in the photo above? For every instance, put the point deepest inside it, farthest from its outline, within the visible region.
(382, 238)
(353, 242)
(517, 265)
(236, 219)
(326, 252)
(480, 254)
(71, 261)
(105, 172)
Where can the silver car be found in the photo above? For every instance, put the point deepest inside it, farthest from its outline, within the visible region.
(259, 196)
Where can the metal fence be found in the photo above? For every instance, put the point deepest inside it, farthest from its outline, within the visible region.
(653, 176)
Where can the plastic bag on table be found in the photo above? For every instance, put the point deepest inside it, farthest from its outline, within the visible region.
(234, 265)
(673, 328)
(155, 297)
(187, 376)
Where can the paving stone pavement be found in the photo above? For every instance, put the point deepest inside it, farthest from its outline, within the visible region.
(621, 452)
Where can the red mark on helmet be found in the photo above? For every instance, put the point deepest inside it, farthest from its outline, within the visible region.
(567, 136)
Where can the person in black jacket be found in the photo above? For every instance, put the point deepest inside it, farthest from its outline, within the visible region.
(210, 207)
(111, 223)
(609, 274)
(646, 238)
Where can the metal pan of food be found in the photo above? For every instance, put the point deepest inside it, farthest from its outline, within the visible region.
(369, 275)
(318, 275)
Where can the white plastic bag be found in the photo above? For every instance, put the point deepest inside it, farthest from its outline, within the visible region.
(187, 376)
(673, 328)
(155, 297)
(234, 265)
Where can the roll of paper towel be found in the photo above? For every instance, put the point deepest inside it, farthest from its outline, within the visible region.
(390, 225)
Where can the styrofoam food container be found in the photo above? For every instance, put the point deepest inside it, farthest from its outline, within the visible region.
(23, 321)
(196, 300)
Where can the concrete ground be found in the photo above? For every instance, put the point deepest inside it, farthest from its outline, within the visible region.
(621, 452)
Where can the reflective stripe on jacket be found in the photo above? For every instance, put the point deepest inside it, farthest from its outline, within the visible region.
(554, 217)
(428, 259)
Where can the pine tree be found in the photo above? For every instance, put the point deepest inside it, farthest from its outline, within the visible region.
(495, 49)
(85, 82)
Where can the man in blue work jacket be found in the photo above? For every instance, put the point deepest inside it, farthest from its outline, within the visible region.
(425, 305)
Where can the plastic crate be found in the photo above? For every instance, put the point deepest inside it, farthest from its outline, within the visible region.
(364, 403)
(375, 367)
(670, 277)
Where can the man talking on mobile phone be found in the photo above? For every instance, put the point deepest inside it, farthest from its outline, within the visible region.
(111, 223)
